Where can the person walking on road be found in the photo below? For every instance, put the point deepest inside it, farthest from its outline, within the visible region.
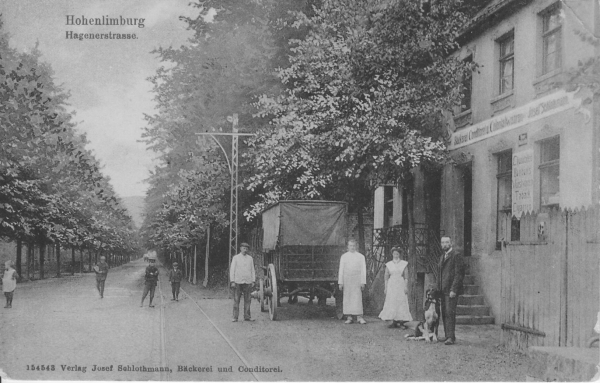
(150, 281)
(352, 279)
(395, 307)
(101, 270)
(9, 283)
(452, 273)
(175, 277)
(242, 277)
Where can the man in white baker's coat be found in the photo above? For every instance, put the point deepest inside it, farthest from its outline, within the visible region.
(352, 279)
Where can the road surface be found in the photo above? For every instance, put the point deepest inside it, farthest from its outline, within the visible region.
(60, 329)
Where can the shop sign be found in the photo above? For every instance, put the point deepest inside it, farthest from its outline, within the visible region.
(522, 182)
(538, 109)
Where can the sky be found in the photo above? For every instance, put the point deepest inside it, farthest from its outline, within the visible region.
(107, 78)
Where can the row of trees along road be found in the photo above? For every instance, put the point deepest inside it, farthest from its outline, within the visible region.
(52, 192)
(342, 96)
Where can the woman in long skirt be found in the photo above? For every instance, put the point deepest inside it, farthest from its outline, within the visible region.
(395, 307)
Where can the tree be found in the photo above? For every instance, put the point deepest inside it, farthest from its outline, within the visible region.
(365, 94)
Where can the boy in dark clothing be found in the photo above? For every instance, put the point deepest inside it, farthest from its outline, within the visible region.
(175, 277)
(101, 270)
(150, 281)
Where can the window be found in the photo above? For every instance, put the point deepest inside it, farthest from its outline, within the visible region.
(507, 61)
(388, 206)
(467, 87)
(507, 228)
(550, 172)
(551, 40)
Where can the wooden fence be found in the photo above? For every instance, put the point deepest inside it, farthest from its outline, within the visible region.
(549, 279)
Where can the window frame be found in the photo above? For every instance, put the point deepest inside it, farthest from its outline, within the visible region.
(503, 174)
(467, 91)
(504, 58)
(546, 165)
(546, 34)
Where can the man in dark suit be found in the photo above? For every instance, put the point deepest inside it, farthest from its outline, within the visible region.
(452, 273)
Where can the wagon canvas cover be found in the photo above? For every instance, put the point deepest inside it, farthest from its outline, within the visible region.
(304, 223)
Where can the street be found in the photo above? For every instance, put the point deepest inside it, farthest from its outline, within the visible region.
(60, 329)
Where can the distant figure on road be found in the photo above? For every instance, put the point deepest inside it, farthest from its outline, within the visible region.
(352, 279)
(395, 307)
(101, 270)
(150, 281)
(175, 277)
(242, 279)
(9, 283)
(452, 273)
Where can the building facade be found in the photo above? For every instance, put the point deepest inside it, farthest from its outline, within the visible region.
(522, 141)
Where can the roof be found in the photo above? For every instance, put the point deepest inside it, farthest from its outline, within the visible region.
(304, 202)
(491, 14)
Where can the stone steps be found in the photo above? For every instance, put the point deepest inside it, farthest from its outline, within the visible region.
(474, 320)
(471, 308)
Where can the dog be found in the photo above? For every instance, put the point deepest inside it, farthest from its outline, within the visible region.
(428, 329)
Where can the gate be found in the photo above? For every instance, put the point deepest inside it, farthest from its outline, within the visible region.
(549, 279)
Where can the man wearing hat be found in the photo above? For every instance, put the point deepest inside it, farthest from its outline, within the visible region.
(175, 277)
(101, 270)
(242, 279)
(150, 280)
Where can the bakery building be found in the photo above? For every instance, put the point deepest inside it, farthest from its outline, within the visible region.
(522, 141)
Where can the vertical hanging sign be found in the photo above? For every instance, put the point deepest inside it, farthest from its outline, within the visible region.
(522, 182)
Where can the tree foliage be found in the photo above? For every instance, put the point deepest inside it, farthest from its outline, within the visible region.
(51, 187)
(226, 65)
(365, 91)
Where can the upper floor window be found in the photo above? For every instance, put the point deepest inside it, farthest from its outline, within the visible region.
(467, 87)
(550, 172)
(551, 39)
(507, 63)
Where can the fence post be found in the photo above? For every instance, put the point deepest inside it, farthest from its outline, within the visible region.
(564, 290)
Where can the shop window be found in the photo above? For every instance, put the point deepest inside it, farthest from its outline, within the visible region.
(507, 63)
(551, 39)
(507, 227)
(467, 88)
(550, 172)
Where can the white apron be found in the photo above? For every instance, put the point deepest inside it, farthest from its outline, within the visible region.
(396, 302)
(353, 273)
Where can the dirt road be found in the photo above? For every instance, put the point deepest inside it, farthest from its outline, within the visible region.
(62, 330)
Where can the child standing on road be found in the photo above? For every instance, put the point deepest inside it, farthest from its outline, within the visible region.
(175, 277)
(9, 283)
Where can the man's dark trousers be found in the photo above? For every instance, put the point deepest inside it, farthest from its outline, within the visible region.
(242, 288)
(175, 286)
(100, 286)
(449, 315)
(148, 288)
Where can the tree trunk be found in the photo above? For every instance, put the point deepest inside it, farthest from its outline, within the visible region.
(80, 261)
(412, 249)
(19, 252)
(72, 260)
(90, 260)
(205, 282)
(57, 260)
(31, 260)
(195, 264)
(361, 231)
(42, 257)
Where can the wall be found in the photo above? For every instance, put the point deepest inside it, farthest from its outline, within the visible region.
(571, 124)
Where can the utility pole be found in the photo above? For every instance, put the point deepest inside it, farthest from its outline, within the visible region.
(233, 170)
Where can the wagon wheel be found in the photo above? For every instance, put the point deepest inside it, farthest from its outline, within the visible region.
(339, 304)
(271, 286)
(261, 294)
